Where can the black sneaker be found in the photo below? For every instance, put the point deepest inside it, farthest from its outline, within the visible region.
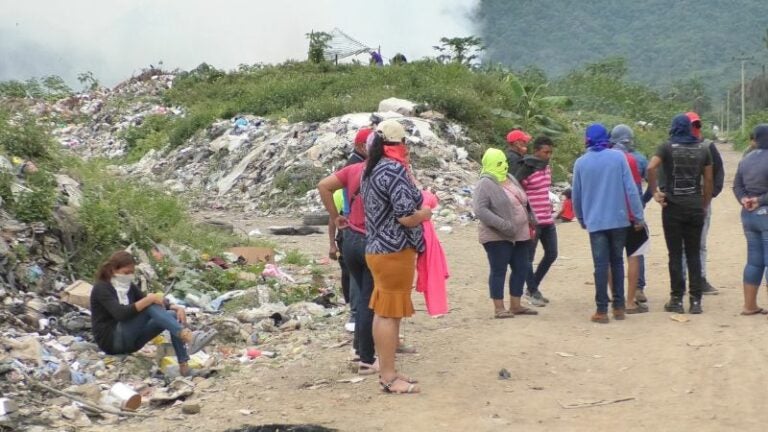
(708, 289)
(675, 304)
(695, 306)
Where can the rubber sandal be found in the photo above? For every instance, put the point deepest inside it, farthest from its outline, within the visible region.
(503, 314)
(524, 311)
(758, 311)
(387, 387)
(200, 340)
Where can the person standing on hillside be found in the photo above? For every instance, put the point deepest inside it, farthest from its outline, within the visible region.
(535, 176)
(718, 178)
(622, 139)
(751, 189)
(688, 184)
(517, 148)
(603, 196)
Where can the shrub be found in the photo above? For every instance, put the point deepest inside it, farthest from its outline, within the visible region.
(116, 213)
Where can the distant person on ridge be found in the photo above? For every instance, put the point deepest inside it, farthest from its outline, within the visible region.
(376, 59)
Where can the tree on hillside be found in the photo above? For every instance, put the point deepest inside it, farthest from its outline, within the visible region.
(533, 108)
(318, 43)
(462, 50)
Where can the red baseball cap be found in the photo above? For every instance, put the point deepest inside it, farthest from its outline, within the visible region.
(693, 117)
(362, 135)
(518, 135)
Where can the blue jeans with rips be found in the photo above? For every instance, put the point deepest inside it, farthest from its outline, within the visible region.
(608, 252)
(131, 335)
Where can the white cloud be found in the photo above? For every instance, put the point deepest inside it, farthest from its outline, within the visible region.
(118, 37)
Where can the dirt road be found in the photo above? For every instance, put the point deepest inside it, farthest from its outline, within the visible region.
(705, 374)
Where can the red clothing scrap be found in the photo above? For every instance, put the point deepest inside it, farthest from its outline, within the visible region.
(432, 267)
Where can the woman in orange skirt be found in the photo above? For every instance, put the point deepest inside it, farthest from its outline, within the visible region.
(393, 217)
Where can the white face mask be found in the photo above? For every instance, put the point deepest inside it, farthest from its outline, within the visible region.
(122, 284)
(122, 279)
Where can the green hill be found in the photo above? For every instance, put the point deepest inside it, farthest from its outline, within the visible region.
(663, 41)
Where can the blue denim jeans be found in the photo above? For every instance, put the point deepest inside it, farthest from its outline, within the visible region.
(360, 275)
(503, 254)
(547, 235)
(608, 252)
(755, 225)
(131, 335)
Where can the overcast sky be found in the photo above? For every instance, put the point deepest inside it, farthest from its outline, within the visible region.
(117, 38)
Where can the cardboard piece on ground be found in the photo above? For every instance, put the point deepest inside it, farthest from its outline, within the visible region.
(255, 255)
(78, 294)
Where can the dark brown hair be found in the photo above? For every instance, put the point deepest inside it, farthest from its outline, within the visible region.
(116, 261)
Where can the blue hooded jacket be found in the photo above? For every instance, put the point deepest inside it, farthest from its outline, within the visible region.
(603, 187)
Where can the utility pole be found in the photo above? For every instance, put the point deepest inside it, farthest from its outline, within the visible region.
(728, 112)
(743, 61)
(743, 101)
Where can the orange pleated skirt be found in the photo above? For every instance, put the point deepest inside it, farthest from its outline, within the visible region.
(393, 276)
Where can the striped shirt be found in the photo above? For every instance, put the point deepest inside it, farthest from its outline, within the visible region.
(537, 188)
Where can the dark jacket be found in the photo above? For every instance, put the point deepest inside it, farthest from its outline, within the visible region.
(526, 166)
(513, 158)
(106, 312)
(354, 158)
(752, 176)
(718, 170)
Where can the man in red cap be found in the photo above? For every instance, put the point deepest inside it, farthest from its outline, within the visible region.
(517, 148)
(360, 153)
(718, 180)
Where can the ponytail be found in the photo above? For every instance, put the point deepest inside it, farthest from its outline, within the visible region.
(375, 153)
(118, 260)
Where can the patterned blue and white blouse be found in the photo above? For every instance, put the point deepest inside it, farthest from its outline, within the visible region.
(389, 194)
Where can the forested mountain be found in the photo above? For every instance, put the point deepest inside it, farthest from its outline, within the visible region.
(663, 41)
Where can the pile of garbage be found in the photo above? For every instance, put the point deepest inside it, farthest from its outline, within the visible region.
(54, 376)
(254, 165)
(90, 123)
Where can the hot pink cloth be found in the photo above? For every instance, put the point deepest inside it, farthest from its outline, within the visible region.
(431, 266)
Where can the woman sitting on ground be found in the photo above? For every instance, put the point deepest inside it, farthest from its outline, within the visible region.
(124, 319)
(501, 207)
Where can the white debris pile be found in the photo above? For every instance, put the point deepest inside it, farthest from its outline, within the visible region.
(267, 168)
